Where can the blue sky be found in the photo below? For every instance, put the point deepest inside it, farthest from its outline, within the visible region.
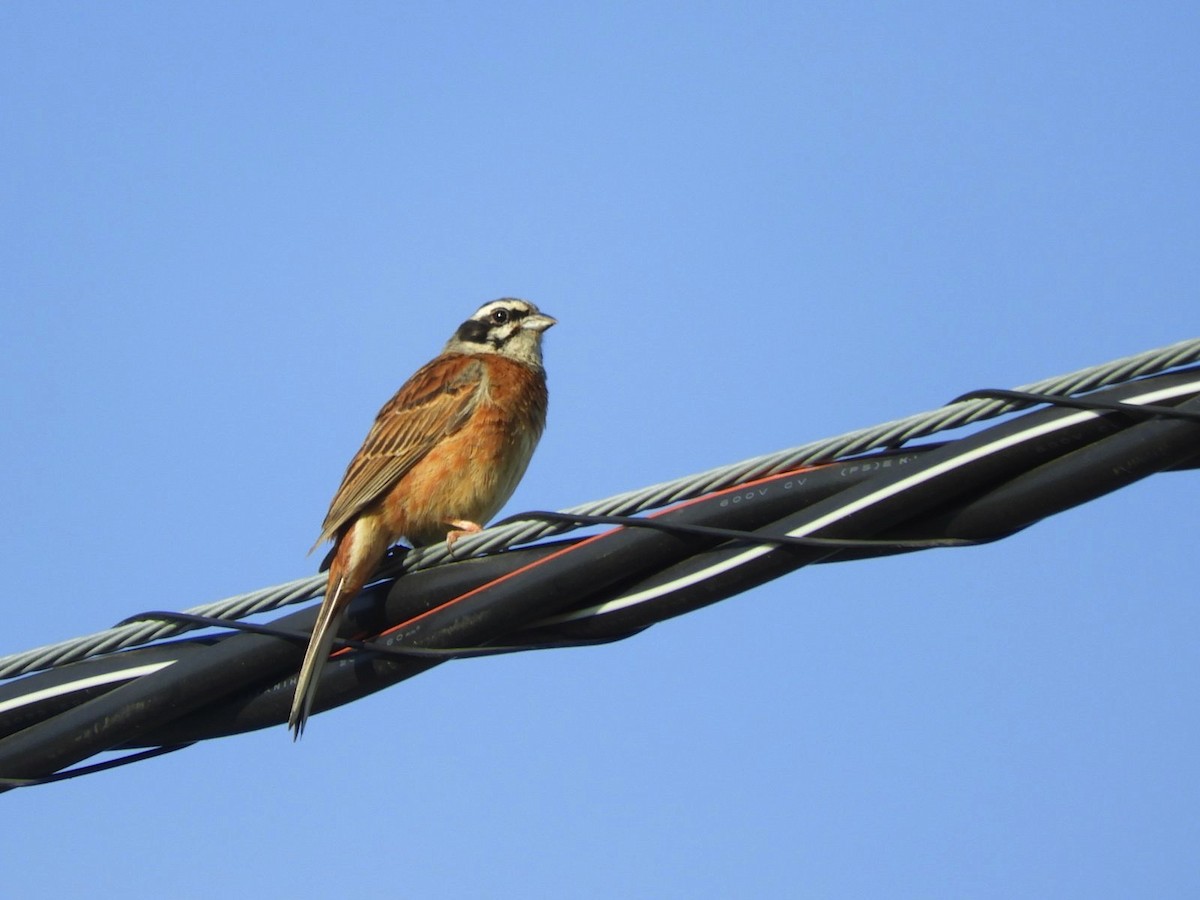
(230, 231)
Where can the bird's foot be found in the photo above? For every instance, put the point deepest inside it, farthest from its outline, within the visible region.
(461, 527)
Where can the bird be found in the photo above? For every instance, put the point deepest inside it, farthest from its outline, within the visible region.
(444, 454)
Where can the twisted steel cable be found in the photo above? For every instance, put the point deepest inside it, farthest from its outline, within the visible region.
(887, 434)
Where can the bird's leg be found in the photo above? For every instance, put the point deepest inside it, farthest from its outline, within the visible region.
(461, 527)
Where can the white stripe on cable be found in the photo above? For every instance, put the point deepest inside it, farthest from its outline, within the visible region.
(82, 684)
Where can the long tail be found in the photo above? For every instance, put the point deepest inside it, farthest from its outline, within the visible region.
(355, 558)
(323, 634)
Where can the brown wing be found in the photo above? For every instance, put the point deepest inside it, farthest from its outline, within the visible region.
(436, 402)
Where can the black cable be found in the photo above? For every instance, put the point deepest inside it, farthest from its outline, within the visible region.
(737, 534)
(657, 524)
(302, 638)
(1090, 402)
(95, 767)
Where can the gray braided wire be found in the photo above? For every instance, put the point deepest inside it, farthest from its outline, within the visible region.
(519, 532)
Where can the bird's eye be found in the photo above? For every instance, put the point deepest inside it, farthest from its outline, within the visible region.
(500, 316)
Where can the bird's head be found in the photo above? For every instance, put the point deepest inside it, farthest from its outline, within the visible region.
(508, 327)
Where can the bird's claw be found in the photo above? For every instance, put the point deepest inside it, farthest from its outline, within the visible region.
(460, 528)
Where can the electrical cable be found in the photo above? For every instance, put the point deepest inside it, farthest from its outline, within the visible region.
(95, 767)
(580, 591)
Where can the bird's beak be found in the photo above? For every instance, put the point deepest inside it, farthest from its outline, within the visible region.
(537, 322)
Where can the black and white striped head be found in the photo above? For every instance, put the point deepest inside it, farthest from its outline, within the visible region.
(509, 327)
